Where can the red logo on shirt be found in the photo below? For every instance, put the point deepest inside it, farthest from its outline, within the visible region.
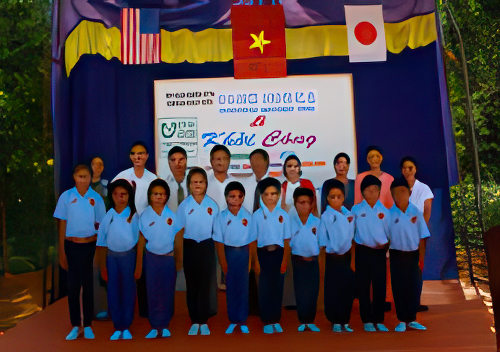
(350, 218)
(73, 201)
(209, 210)
(414, 220)
(152, 223)
(169, 221)
(280, 219)
(244, 222)
(313, 230)
(191, 212)
(228, 222)
(381, 216)
(92, 201)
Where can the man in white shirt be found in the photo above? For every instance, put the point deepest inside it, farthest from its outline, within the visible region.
(138, 175)
(140, 178)
(220, 158)
(177, 161)
(259, 161)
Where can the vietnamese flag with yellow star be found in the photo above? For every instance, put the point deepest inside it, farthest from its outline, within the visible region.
(259, 49)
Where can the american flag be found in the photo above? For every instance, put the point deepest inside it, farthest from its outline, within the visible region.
(140, 36)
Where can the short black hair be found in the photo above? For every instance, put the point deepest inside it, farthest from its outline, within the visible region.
(268, 182)
(302, 191)
(141, 143)
(342, 155)
(370, 180)
(121, 182)
(219, 147)
(331, 184)
(83, 167)
(373, 147)
(234, 186)
(194, 171)
(177, 149)
(400, 182)
(292, 157)
(262, 152)
(410, 159)
(158, 182)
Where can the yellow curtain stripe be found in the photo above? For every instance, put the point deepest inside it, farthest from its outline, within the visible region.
(215, 45)
(92, 38)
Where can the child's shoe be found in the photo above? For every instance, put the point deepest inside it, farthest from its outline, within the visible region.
(337, 328)
(230, 328)
(152, 334)
(204, 330)
(369, 327)
(268, 329)
(302, 327)
(73, 334)
(278, 328)
(116, 335)
(416, 326)
(88, 333)
(313, 327)
(401, 327)
(165, 333)
(193, 330)
(244, 329)
(381, 327)
(348, 328)
(126, 335)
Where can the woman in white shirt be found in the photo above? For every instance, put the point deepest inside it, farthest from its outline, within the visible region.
(421, 195)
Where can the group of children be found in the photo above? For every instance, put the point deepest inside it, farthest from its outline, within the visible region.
(263, 240)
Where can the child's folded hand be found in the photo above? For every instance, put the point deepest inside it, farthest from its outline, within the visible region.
(283, 268)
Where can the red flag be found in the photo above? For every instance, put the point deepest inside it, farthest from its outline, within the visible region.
(259, 48)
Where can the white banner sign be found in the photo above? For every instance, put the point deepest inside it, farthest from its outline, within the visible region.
(310, 116)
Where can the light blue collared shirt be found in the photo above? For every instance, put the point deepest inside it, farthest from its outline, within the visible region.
(272, 228)
(159, 230)
(117, 233)
(371, 224)
(81, 213)
(406, 229)
(198, 220)
(304, 240)
(234, 231)
(336, 230)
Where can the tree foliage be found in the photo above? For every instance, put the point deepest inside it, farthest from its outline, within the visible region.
(26, 179)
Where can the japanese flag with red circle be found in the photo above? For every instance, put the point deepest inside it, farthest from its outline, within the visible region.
(365, 33)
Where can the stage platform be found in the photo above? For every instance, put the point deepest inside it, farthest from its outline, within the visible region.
(454, 324)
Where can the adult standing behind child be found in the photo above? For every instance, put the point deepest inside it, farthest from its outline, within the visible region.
(80, 211)
(375, 158)
(140, 178)
(341, 164)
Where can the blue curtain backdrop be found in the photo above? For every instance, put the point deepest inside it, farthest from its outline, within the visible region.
(104, 106)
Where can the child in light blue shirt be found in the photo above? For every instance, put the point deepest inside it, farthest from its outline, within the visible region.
(159, 226)
(407, 233)
(272, 227)
(371, 237)
(197, 214)
(305, 251)
(234, 235)
(336, 233)
(117, 245)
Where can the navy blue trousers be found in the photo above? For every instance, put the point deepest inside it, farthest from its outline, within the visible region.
(160, 283)
(406, 279)
(237, 283)
(271, 282)
(80, 258)
(371, 270)
(306, 286)
(199, 269)
(121, 287)
(339, 288)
